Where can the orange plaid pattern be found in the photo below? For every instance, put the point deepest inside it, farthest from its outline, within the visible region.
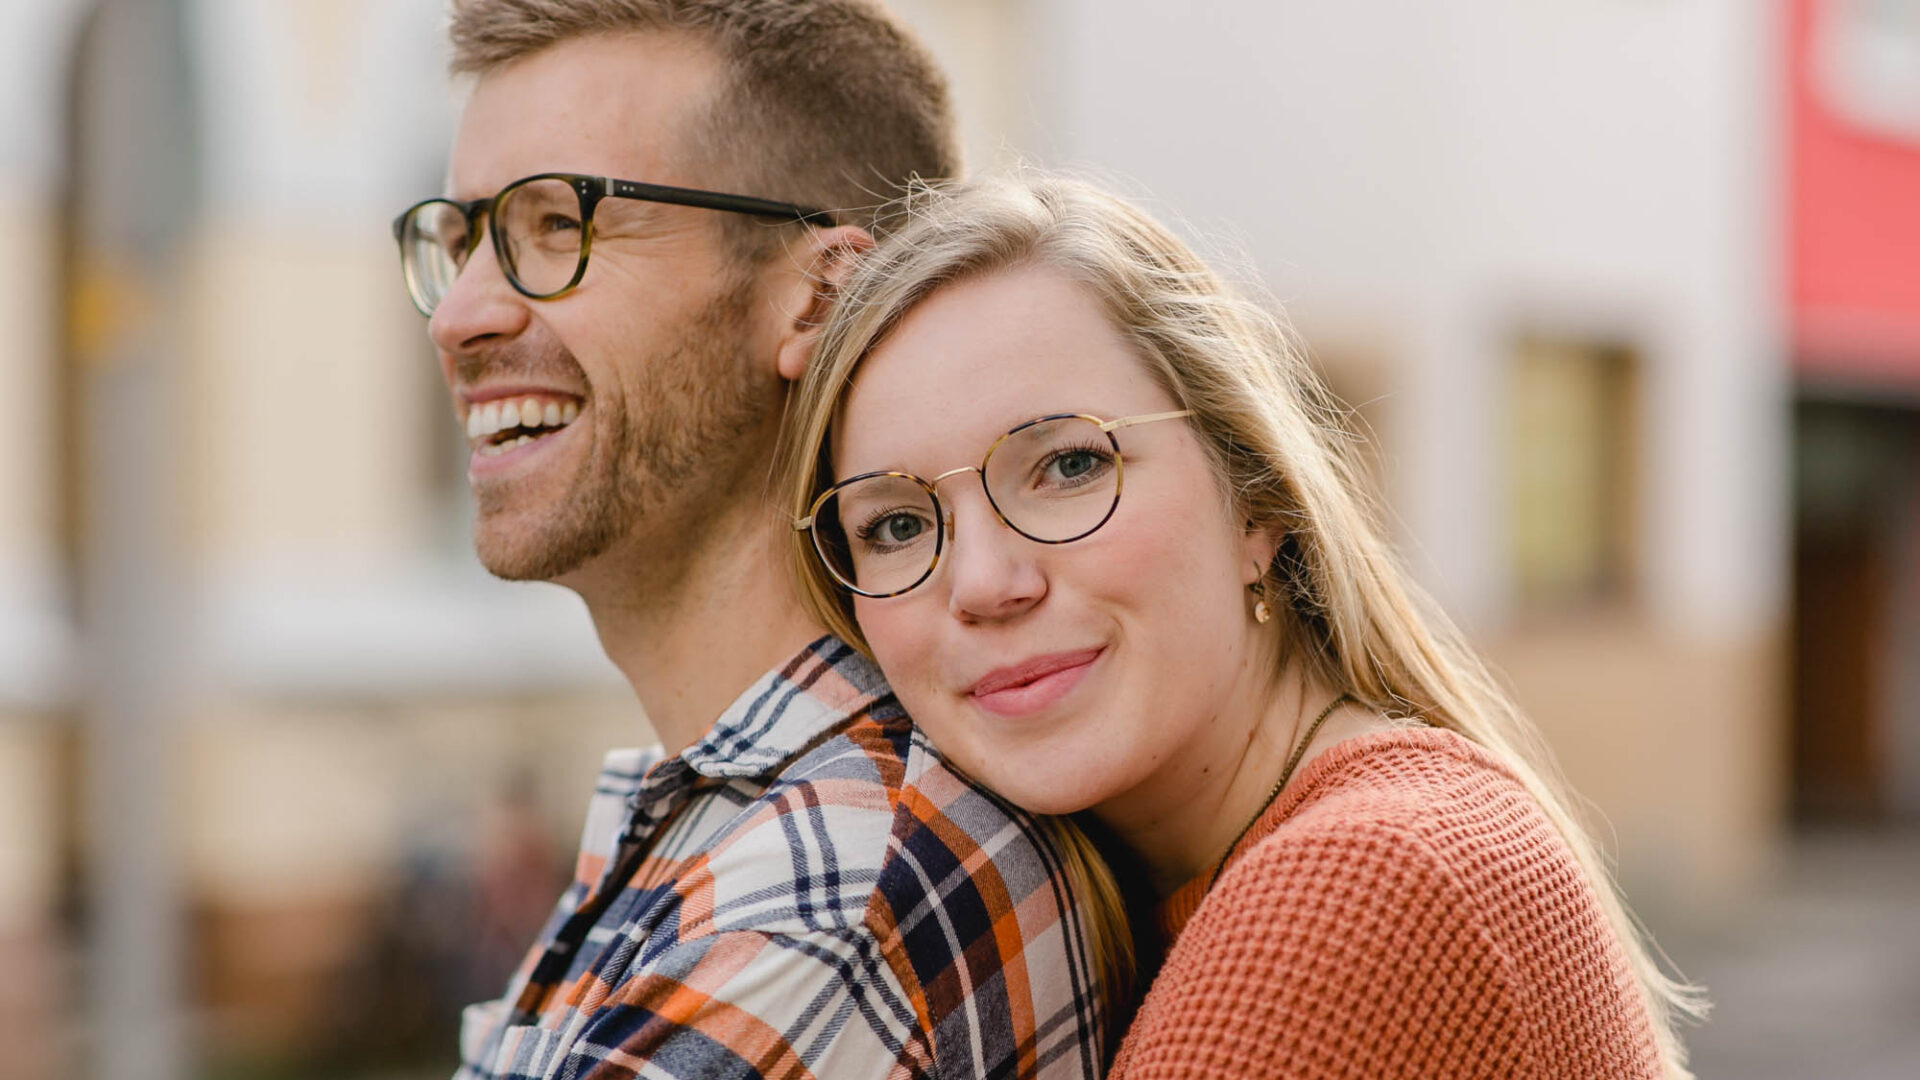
(807, 891)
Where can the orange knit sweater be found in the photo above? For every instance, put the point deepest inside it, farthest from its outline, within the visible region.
(1403, 909)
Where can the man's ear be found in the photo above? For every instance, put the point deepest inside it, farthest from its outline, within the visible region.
(826, 262)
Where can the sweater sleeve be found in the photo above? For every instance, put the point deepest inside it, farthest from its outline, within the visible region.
(1348, 952)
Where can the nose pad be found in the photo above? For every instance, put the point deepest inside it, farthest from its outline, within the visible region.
(944, 552)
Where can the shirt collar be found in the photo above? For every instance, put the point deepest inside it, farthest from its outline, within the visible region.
(787, 710)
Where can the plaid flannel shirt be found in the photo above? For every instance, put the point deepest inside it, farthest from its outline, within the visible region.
(807, 891)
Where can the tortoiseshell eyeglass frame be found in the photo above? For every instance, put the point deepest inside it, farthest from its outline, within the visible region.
(590, 190)
(1107, 428)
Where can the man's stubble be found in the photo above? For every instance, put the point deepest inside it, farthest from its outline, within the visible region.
(695, 434)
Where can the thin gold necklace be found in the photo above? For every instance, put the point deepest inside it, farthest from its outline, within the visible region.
(1293, 762)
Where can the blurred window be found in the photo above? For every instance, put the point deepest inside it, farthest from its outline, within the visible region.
(1573, 432)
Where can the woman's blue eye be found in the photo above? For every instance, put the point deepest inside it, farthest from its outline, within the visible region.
(1072, 467)
(901, 528)
(1075, 464)
(892, 529)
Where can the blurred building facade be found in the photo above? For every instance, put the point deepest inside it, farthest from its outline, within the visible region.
(1854, 287)
(1604, 278)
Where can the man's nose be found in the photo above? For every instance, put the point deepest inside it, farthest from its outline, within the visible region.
(992, 571)
(480, 307)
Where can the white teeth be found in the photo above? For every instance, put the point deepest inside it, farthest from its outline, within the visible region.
(497, 416)
(496, 449)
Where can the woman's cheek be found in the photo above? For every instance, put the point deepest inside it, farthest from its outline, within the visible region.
(902, 644)
(1140, 562)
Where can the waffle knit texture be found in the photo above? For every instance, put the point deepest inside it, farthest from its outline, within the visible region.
(1404, 908)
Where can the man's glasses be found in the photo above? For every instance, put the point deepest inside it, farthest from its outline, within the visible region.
(1052, 480)
(542, 230)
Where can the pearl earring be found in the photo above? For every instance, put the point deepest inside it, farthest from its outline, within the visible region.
(1261, 612)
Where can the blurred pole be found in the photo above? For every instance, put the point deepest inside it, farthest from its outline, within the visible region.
(131, 191)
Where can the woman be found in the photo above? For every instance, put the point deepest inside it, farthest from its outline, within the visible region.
(1354, 841)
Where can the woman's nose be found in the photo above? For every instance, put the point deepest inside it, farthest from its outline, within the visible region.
(992, 571)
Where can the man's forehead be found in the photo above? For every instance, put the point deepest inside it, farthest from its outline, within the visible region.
(613, 105)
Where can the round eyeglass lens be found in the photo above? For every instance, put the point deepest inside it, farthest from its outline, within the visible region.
(541, 234)
(1055, 480)
(434, 246)
(879, 535)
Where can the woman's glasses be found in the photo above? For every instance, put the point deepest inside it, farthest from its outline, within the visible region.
(1052, 480)
(542, 230)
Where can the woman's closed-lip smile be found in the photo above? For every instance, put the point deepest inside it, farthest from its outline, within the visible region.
(1032, 685)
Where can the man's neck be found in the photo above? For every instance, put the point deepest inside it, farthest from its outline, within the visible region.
(693, 631)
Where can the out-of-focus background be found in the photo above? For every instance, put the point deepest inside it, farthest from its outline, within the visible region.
(1628, 290)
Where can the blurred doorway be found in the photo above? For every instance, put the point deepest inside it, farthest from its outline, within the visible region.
(1856, 702)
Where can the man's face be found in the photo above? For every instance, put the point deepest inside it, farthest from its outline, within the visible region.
(648, 392)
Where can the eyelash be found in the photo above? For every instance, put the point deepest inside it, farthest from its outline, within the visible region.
(1099, 450)
(864, 531)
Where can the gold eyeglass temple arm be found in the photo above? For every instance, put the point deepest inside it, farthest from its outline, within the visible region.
(1149, 418)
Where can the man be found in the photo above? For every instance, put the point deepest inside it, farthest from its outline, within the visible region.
(801, 888)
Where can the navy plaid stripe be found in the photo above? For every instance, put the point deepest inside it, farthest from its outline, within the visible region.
(806, 891)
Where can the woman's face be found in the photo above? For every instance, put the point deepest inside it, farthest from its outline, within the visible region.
(1064, 676)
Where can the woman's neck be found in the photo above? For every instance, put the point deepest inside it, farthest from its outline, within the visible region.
(1182, 818)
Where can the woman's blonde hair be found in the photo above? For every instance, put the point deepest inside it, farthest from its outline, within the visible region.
(1349, 610)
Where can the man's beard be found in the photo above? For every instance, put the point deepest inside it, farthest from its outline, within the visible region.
(700, 407)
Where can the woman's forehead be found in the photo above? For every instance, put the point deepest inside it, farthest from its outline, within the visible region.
(978, 357)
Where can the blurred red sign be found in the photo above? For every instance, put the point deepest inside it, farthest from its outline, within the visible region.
(1854, 202)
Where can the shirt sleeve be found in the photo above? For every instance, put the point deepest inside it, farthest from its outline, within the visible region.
(1349, 954)
(747, 1004)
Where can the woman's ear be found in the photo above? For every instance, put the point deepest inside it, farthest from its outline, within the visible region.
(825, 262)
(1258, 545)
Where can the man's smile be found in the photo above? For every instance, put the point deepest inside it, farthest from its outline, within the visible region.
(497, 425)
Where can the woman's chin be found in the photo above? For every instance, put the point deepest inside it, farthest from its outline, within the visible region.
(1044, 795)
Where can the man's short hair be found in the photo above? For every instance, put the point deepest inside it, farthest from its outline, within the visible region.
(832, 104)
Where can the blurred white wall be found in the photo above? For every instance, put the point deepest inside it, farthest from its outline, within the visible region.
(1444, 173)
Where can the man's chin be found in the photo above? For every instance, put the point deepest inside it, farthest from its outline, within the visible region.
(516, 565)
(520, 554)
